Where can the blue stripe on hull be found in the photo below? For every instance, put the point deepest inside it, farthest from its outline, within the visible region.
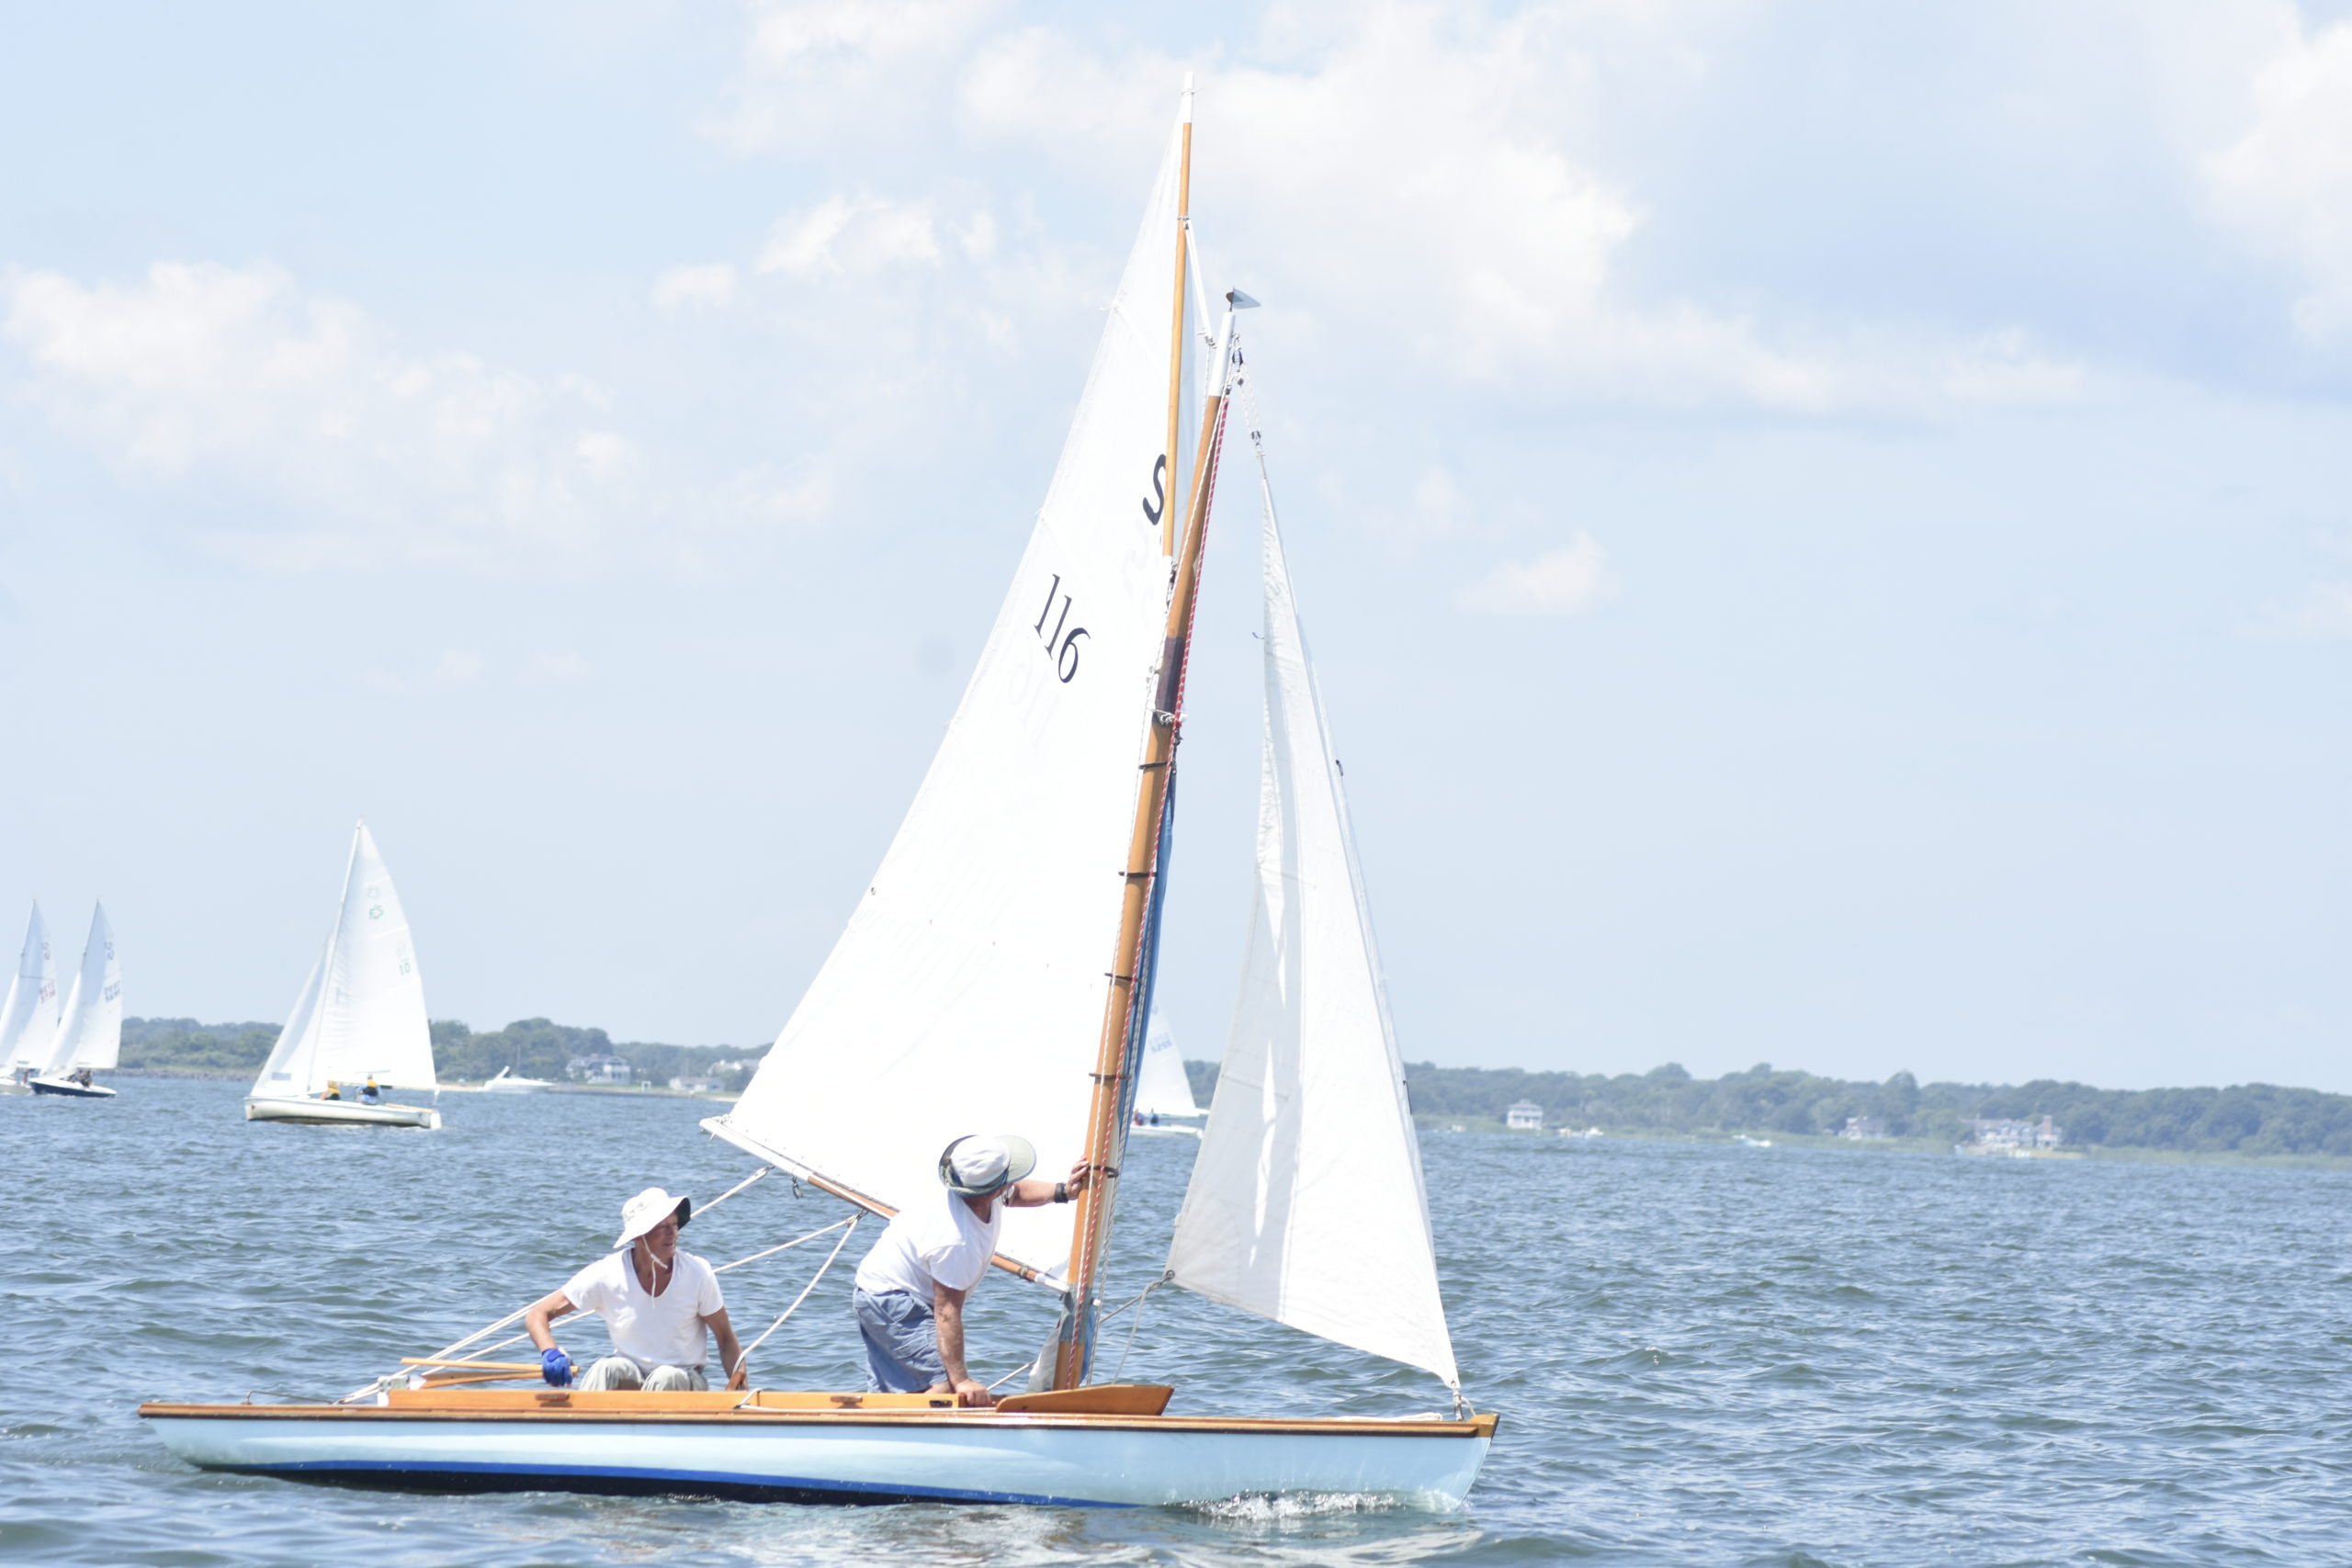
(604, 1478)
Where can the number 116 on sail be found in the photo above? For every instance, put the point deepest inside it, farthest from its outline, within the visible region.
(1061, 647)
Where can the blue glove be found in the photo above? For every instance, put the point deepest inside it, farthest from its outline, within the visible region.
(556, 1367)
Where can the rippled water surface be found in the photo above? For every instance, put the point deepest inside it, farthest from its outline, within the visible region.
(1701, 1354)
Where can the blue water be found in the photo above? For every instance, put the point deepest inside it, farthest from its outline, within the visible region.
(1701, 1354)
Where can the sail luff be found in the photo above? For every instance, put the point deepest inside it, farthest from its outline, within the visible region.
(964, 993)
(287, 1071)
(89, 1031)
(1176, 323)
(1307, 1203)
(1107, 1121)
(326, 1010)
(28, 1020)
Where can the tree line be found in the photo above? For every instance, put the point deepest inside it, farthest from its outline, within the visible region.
(2253, 1119)
(533, 1047)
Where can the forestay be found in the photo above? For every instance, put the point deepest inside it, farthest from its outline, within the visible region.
(361, 1013)
(1305, 1204)
(28, 1021)
(89, 1032)
(966, 994)
(1162, 1088)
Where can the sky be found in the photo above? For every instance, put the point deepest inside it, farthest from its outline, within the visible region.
(1824, 527)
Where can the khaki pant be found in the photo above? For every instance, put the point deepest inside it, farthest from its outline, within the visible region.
(620, 1372)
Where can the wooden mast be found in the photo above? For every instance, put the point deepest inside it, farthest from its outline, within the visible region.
(1104, 1132)
(1176, 320)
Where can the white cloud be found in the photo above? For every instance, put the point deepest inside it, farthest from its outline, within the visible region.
(708, 287)
(2322, 614)
(553, 668)
(1558, 583)
(2287, 182)
(852, 234)
(199, 372)
(805, 59)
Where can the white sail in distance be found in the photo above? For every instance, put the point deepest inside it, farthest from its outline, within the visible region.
(28, 1021)
(966, 993)
(361, 1014)
(1307, 1202)
(1161, 1086)
(89, 1031)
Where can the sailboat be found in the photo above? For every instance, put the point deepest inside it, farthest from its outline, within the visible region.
(1163, 1092)
(28, 1020)
(360, 1015)
(89, 1029)
(997, 973)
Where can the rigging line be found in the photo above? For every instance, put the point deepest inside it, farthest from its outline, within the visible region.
(450, 1350)
(721, 1268)
(1136, 1326)
(745, 1354)
(788, 1246)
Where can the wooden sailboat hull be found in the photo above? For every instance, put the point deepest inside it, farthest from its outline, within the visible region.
(337, 1112)
(66, 1089)
(723, 1446)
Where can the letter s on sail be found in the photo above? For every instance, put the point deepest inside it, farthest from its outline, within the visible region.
(1159, 491)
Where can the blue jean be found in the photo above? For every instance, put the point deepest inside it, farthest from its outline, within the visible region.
(901, 1342)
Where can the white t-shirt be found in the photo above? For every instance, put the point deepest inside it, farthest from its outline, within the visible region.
(653, 1331)
(936, 1240)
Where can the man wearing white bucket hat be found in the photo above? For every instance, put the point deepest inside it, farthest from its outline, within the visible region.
(910, 1289)
(659, 1304)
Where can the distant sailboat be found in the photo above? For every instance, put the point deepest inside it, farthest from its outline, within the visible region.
(89, 1031)
(1163, 1092)
(28, 1020)
(359, 1016)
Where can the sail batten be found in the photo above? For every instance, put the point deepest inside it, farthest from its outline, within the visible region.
(1307, 1203)
(964, 993)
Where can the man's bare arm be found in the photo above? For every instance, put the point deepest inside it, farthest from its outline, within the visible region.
(730, 1351)
(1035, 1192)
(536, 1316)
(947, 1318)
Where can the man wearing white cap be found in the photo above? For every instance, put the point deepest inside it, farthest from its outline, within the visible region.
(659, 1304)
(911, 1287)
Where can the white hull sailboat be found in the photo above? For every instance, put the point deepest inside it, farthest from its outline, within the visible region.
(28, 1018)
(969, 992)
(89, 1028)
(359, 1016)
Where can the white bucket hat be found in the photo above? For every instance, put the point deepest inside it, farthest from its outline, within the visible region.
(649, 1209)
(974, 1166)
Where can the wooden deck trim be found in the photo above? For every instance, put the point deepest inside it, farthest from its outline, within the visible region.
(1240, 1426)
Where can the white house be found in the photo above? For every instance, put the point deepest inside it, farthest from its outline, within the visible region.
(1524, 1117)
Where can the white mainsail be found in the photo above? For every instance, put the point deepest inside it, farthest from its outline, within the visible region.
(1161, 1086)
(966, 993)
(361, 1013)
(1307, 1203)
(89, 1031)
(28, 1021)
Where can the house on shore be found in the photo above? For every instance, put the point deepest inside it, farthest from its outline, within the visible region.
(1864, 1127)
(1525, 1116)
(597, 1069)
(2001, 1134)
